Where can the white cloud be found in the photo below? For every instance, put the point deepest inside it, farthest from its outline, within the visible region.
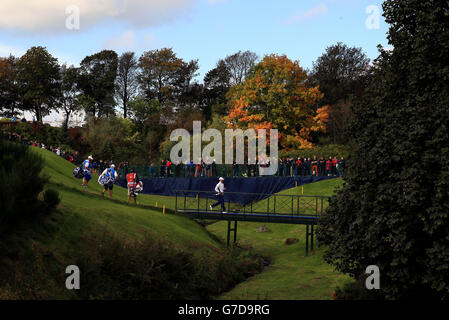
(49, 16)
(6, 50)
(317, 11)
(127, 41)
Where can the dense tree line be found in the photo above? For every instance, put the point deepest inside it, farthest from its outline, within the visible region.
(159, 91)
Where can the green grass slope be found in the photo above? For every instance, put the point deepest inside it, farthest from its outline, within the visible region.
(117, 215)
(34, 256)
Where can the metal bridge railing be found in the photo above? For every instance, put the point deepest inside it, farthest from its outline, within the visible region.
(252, 203)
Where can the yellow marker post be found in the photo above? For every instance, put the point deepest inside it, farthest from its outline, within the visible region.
(156, 204)
(302, 190)
(163, 209)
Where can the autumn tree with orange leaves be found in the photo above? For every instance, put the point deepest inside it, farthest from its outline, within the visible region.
(275, 95)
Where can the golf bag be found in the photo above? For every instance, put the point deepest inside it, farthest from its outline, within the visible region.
(136, 190)
(104, 180)
(78, 173)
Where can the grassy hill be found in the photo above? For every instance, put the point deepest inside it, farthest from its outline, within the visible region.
(33, 258)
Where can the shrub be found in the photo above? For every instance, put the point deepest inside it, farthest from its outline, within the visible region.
(356, 290)
(21, 182)
(51, 198)
(155, 268)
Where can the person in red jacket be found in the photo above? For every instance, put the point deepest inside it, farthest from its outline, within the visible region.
(314, 166)
(168, 171)
(334, 166)
(329, 166)
(132, 180)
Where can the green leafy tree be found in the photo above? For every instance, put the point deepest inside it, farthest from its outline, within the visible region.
(159, 72)
(38, 79)
(341, 73)
(69, 95)
(168, 79)
(97, 81)
(126, 81)
(393, 210)
(141, 110)
(216, 84)
(9, 95)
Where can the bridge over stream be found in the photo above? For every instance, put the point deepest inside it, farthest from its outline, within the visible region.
(254, 207)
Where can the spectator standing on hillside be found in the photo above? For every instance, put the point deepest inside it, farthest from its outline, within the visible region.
(235, 169)
(341, 166)
(13, 118)
(168, 171)
(177, 169)
(329, 166)
(162, 169)
(321, 166)
(95, 167)
(151, 170)
(334, 166)
(314, 166)
(214, 168)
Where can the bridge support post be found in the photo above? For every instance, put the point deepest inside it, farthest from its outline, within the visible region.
(309, 234)
(307, 240)
(311, 237)
(229, 233)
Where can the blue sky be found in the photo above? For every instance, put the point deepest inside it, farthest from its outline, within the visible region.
(196, 29)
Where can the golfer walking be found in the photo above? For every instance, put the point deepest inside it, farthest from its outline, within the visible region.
(220, 188)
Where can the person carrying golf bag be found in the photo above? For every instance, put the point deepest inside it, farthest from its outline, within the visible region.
(107, 178)
(220, 188)
(134, 186)
(87, 165)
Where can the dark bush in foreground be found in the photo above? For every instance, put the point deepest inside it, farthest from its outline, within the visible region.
(51, 198)
(21, 183)
(357, 290)
(155, 268)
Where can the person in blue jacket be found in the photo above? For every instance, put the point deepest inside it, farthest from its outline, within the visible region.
(107, 179)
(87, 166)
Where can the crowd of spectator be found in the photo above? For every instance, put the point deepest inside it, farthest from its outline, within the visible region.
(15, 137)
(301, 166)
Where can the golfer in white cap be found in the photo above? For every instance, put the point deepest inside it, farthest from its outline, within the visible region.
(220, 188)
(87, 165)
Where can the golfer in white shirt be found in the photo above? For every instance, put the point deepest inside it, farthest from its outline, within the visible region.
(220, 188)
